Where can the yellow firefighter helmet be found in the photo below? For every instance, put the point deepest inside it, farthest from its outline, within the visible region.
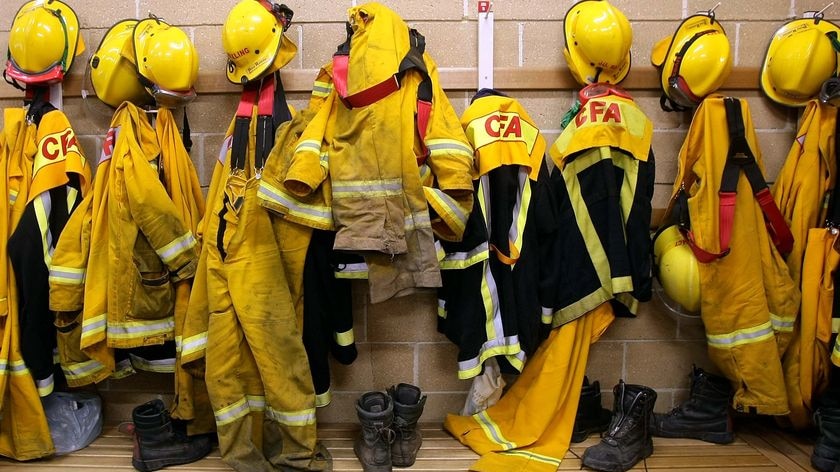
(694, 61)
(43, 42)
(113, 73)
(801, 56)
(253, 39)
(598, 39)
(167, 61)
(677, 269)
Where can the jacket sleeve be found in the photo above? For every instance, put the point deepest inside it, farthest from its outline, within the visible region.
(70, 259)
(158, 219)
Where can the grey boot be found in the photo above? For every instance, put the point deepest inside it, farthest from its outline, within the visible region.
(408, 406)
(628, 439)
(158, 443)
(826, 455)
(373, 446)
(704, 416)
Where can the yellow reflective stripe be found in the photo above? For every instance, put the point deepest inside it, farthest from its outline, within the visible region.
(546, 315)
(507, 346)
(520, 215)
(417, 220)
(739, 337)
(292, 418)
(835, 325)
(139, 329)
(94, 325)
(323, 399)
(462, 260)
(67, 275)
(309, 145)
(78, 370)
(442, 308)
(45, 386)
(193, 344)
(72, 193)
(123, 369)
(321, 89)
(367, 188)
(239, 409)
(13, 194)
(448, 209)
(43, 206)
(352, 271)
(176, 247)
(630, 166)
(489, 294)
(161, 366)
(325, 160)
(782, 323)
(319, 213)
(16, 368)
(517, 360)
(534, 456)
(345, 338)
(492, 430)
(835, 354)
(448, 146)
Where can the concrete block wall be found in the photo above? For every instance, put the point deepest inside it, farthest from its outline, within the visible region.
(397, 340)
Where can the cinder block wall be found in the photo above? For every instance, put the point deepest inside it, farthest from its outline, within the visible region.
(397, 340)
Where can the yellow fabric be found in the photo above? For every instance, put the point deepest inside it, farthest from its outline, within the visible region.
(378, 202)
(801, 192)
(746, 290)
(530, 428)
(256, 369)
(24, 433)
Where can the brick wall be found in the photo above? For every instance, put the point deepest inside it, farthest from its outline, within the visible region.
(397, 340)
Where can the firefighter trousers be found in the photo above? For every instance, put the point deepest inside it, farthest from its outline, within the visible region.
(257, 372)
(516, 434)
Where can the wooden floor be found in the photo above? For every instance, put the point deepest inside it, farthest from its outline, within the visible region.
(758, 447)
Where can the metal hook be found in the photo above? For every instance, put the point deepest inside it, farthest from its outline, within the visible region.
(712, 10)
(489, 10)
(155, 17)
(818, 16)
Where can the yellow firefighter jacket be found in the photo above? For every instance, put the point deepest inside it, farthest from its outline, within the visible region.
(748, 295)
(379, 205)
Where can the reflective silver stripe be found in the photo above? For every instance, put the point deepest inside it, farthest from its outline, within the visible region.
(239, 409)
(440, 146)
(418, 220)
(67, 275)
(91, 326)
(123, 369)
(782, 323)
(176, 247)
(194, 344)
(320, 213)
(13, 194)
(15, 368)
(134, 329)
(460, 260)
(741, 336)
(508, 345)
(309, 145)
(323, 399)
(43, 207)
(448, 203)
(45, 386)
(366, 188)
(344, 339)
(352, 271)
(492, 430)
(78, 370)
(547, 315)
(534, 456)
(442, 308)
(292, 418)
(225, 149)
(162, 366)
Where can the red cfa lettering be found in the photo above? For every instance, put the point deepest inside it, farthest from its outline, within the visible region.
(58, 145)
(503, 126)
(595, 110)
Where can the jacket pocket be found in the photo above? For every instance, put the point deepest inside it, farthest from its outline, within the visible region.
(68, 326)
(153, 296)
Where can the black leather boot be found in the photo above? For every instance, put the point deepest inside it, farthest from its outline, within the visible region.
(628, 439)
(408, 406)
(590, 418)
(826, 455)
(373, 446)
(158, 444)
(704, 415)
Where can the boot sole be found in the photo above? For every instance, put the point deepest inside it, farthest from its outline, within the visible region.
(369, 467)
(613, 466)
(822, 464)
(151, 465)
(711, 437)
(402, 462)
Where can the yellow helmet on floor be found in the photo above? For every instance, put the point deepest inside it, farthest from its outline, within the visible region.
(113, 73)
(43, 42)
(677, 269)
(598, 39)
(693, 62)
(253, 39)
(801, 56)
(167, 61)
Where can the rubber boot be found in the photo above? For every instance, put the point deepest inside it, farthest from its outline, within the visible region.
(408, 406)
(373, 446)
(590, 418)
(826, 455)
(628, 439)
(704, 415)
(158, 443)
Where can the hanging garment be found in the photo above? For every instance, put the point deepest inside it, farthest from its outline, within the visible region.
(248, 287)
(489, 301)
(602, 190)
(749, 299)
(24, 432)
(801, 192)
(530, 428)
(60, 176)
(381, 80)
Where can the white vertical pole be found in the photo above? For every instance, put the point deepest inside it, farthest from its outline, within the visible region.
(485, 44)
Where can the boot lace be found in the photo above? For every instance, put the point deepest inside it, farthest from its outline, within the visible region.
(617, 426)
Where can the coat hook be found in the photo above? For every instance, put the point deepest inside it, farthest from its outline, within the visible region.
(485, 7)
(821, 13)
